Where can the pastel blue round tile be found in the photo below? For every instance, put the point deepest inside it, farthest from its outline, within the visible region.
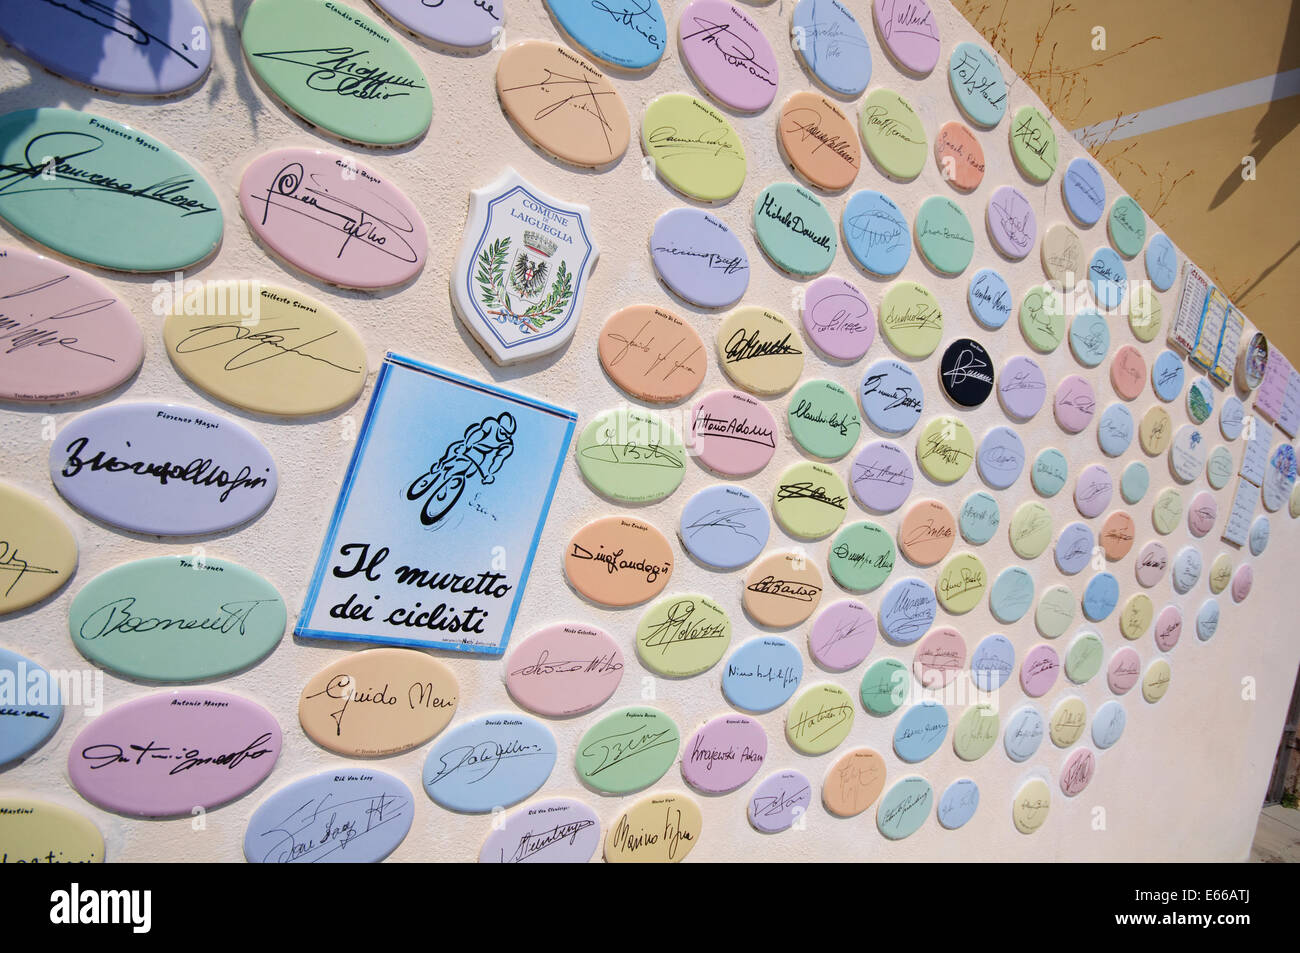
(1115, 430)
(989, 297)
(1083, 191)
(1108, 277)
(1108, 724)
(33, 705)
(1232, 417)
(1207, 620)
(1074, 548)
(907, 611)
(1186, 569)
(979, 518)
(1134, 483)
(1167, 375)
(1089, 338)
(1162, 263)
(1100, 596)
(891, 396)
(763, 673)
(904, 808)
(958, 803)
(831, 43)
(992, 662)
(1259, 532)
(632, 38)
(490, 761)
(921, 731)
(1001, 457)
(1050, 472)
(1012, 594)
(1024, 733)
(724, 526)
(977, 84)
(876, 233)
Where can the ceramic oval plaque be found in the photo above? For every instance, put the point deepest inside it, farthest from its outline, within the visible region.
(882, 476)
(819, 719)
(683, 635)
(853, 782)
(162, 469)
(38, 553)
(1033, 144)
(652, 354)
(110, 195)
(564, 669)
(1025, 729)
(378, 702)
(819, 141)
(762, 674)
(885, 686)
(177, 618)
(794, 229)
(782, 589)
(823, 419)
(842, 636)
(907, 804)
(699, 258)
(340, 816)
(167, 754)
(921, 731)
(760, 350)
(333, 218)
(290, 355)
(456, 24)
(660, 829)
(627, 750)
(728, 55)
(732, 433)
(944, 235)
(977, 84)
(724, 754)
(910, 33)
(724, 527)
(338, 70)
(830, 41)
(810, 500)
(554, 831)
(489, 762)
(630, 455)
(1030, 806)
(876, 233)
(892, 396)
(778, 801)
(960, 157)
(618, 561)
(631, 37)
(1084, 191)
(63, 335)
(693, 147)
(32, 707)
(38, 832)
(893, 134)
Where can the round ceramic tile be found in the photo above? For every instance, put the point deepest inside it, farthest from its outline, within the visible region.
(838, 318)
(939, 657)
(961, 585)
(638, 834)
(1084, 191)
(760, 350)
(1022, 387)
(1055, 612)
(853, 782)
(1122, 672)
(1030, 530)
(1152, 561)
(1108, 277)
(958, 803)
(724, 754)
(1134, 483)
(1077, 772)
(944, 235)
(861, 556)
(992, 662)
(819, 719)
(693, 147)
(1162, 262)
(1145, 313)
(1039, 670)
(652, 354)
(1012, 594)
(793, 228)
(893, 134)
(906, 805)
(1075, 404)
(892, 396)
(779, 801)
(823, 419)
(842, 636)
(1074, 548)
(977, 84)
(728, 55)
(979, 518)
(1033, 144)
(884, 686)
(1128, 372)
(909, 33)
(945, 449)
(627, 750)
(1135, 617)
(618, 561)
(1166, 512)
(631, 455)
(1050, 472)
(920, 731)
(819, 141)
(907, 611)
(1201, 514)
(1169, 628)
(1093, 490)
(1011, 223)
(732, 433)
(1083, 660)
(989, 298)
(1155, 682)
(1187, 454)
(911, 319)
(1062, 255)
(699, 258)
(976, 732)
(782, 589)
(1089, 338)
(1100, 596)
(1117, 535)
(832, 45)
(1200, 400)
(1207, 620)
(762, 674)
(1067, 722)
(1108, 724)
(1259, 532)
(1242, 581)
(682, 635)
(1220, 573)
(966, 372)
(960, 156)
(1279, 477)
(882, 476)
(1042, 319)
(1167, 375)
(724, 527)
(810, 500)
(1024, 733)
(876, 233)
(1218, 467)
(1155, 431)
(1115, 430)
(1127, 226)
(1001, 457)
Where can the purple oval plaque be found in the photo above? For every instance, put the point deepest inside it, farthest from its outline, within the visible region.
(838, 318)
(1039, 670)
(842, 635)
(779, 800)
(1022, 387)
(724, 754)
(1011, 222)
(882, 476)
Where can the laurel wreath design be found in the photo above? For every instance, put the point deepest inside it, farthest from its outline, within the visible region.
(491, 282)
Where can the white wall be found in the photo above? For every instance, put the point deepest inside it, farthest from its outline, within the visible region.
(1186, 780)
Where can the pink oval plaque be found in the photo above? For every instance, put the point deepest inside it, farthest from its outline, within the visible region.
(1077, 772)
(63, 335)
(1124, 669)
(333, 218)
(1169, 626)
(166, 754)
(939, 657)
(564, 669)
(1128, 372)
(1075, 404)
(732, 433)
(842, 635)
(724, 754)
(1039, 670)
(728, 55)
(1241, 583)
(1202, 513)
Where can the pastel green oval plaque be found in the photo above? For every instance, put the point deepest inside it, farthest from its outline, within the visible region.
(893, 134)
(976, 732)
(884, 686)
(338, 70)
(632, 456)
(1083, 661)
(104, 193)
(176, 618)
(944, 235)
(683, 635)
(1055, 611)
(819, 719)
(1042, 319)
(628, 750)
(861, 556)
(1033, 144)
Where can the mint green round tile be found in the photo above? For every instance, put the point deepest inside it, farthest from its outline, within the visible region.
(1033, 144)
(1133, 484)
(1084, 658)
(1055, 611)
(627, 750)
(976, 732)
(861, 556)
(632, 456)
(944, 235)
(794, 229)
(1127, 225)
(824, 419)
(893, 134)
(885, 686)
(1042, 319)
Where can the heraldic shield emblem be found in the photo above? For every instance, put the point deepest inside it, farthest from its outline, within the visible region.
(523, 268)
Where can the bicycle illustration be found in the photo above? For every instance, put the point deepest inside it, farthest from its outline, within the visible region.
(482, 450)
